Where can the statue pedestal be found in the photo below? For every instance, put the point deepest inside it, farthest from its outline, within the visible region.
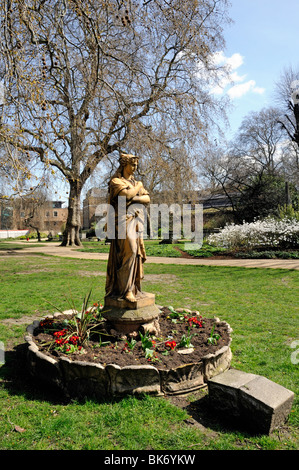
(127, 317)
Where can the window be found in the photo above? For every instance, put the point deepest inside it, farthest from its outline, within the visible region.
(55, 213)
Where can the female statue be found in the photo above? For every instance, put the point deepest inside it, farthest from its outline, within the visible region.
(127, 253)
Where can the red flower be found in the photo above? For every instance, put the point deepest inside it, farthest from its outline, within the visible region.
(47, 322)
(170, 344)
(195, 321)
(60, 341)
(74, 339)
(58, 334)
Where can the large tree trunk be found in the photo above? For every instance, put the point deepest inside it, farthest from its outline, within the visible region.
(71, 234)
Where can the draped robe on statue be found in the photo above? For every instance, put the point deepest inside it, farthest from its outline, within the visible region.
(127, 255)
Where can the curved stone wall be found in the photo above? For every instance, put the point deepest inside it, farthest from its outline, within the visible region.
(79, 379)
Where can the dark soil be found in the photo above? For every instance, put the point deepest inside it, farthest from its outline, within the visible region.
(118, 353)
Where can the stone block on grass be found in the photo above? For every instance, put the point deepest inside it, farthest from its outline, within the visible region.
(258, 403)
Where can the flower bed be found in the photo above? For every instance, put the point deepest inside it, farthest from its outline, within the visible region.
(188, 351)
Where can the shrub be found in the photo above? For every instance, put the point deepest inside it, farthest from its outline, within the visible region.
(288, 212)
(268, 255)
(260, 234)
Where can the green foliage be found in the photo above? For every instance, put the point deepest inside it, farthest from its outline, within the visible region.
(287, 211)
(32, 235)
(131, 344)
(186, 340)
(153, 248)
(214, 337)
(70, 336)
(88, 319)
(146, 341)
(263, 197)
(274, 254)
(148, 346)
(175, 316)
(207, 251)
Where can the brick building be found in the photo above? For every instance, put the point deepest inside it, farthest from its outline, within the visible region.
(94, 197)
(54, 217)
(17, 214)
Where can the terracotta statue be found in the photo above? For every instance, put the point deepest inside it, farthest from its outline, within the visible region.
(127, 252)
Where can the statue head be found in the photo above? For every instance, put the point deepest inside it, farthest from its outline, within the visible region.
(126, 158)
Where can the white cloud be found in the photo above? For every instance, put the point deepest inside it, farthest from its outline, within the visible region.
(238, 91)
(235, 61)
(227, 81)
(259, 90)
(231, 78)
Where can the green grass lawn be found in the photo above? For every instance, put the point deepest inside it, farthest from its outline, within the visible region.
(155, 248)
(261, 305)
(14, 245)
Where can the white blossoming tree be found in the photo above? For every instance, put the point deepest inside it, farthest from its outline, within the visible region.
(268, 233)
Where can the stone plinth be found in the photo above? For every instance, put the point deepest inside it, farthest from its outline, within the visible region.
(258, 403)
(127, 317)
(144, 299)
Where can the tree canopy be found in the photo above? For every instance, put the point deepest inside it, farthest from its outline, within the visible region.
(84, 79)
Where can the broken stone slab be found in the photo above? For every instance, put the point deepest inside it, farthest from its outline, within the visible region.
(183, 379)
(258, 403)
(42, 366)
(224, 391)
(82, 379)
(30, 328)
(217, 363)
(133, 380)
(270, 400)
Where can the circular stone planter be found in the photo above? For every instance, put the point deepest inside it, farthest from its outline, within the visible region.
(79, 379)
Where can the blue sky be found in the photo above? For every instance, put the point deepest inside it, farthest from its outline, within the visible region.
(262, 41)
